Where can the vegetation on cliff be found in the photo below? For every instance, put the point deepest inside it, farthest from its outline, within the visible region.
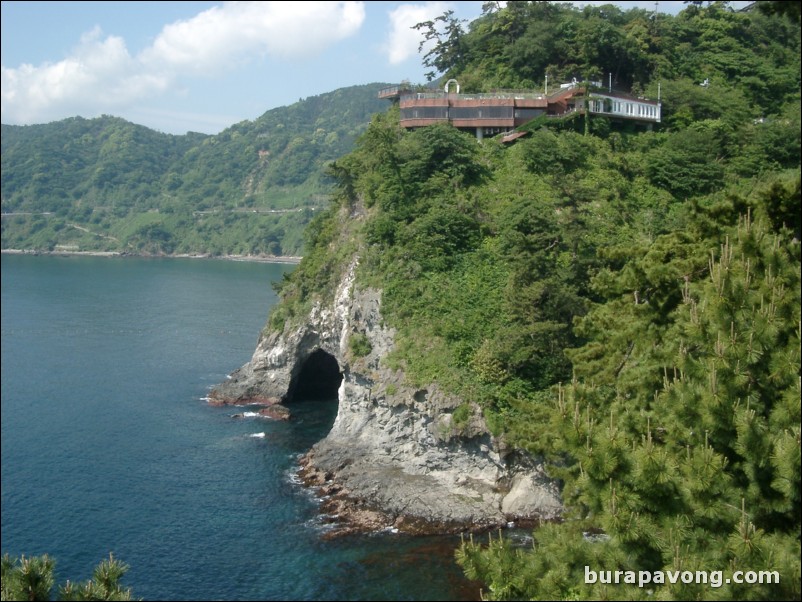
(33, 579)
(108, 185)
(625, 304)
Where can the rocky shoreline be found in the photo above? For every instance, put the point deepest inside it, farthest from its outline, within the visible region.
(396, 457)
(350, 514)
(347, 514)
(270, 406)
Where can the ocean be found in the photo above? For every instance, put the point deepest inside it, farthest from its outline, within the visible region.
(108, 444)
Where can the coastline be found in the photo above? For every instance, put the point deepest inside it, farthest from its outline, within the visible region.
(288, 259)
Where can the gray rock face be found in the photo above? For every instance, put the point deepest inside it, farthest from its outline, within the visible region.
(393, 448)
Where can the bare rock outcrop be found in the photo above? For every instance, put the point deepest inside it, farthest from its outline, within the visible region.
(395, 454)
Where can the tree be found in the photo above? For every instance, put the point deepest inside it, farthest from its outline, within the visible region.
(791, 10)
(448, 51)
(679, 441)
(689, 163)
(32, 579)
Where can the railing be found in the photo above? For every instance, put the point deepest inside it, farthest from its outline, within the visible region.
(480, 96)
(394, 90)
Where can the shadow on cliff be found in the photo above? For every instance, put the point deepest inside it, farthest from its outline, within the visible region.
(312, 395)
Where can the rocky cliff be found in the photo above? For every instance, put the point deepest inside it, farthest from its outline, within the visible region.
(396, 455)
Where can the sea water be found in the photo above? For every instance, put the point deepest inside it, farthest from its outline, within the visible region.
(108, 444)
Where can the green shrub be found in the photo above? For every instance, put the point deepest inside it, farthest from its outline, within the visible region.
(461, 415)
(360, 345)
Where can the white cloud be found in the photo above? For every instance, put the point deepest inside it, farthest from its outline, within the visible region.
(100, 75)
(403, 41)
(99, 72)
(235, 31)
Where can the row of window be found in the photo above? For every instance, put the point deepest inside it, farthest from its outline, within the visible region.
(606, 105)
(425, 113)
(634, 109)
(458, 113)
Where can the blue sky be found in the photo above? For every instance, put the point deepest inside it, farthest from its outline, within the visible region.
(203, 66)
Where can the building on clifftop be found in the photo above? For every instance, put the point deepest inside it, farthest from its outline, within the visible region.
(498, 112)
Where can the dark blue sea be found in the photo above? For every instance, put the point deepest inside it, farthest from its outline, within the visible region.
(109, 446)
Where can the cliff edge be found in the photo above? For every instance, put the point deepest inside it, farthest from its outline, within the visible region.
(396, 455)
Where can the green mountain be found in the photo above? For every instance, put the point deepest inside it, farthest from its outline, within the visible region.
(623, 304)
(109, 185)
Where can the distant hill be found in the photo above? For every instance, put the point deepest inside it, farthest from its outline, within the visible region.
(106, 184)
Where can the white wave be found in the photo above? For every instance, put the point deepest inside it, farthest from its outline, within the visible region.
(318, 525)
(258, 435)
(251, 414)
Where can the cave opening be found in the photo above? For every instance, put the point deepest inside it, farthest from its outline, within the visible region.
(313, 393)
(318, 380)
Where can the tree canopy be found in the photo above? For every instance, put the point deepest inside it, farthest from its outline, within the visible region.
(624, 304)
(109, 185)
(32, 578)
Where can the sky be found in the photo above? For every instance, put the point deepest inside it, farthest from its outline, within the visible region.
(203, 66)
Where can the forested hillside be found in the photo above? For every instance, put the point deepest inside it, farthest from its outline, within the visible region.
(106, 184)
(624, 303)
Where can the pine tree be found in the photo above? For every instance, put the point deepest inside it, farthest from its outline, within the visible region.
(32, 579)
(679, 444)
